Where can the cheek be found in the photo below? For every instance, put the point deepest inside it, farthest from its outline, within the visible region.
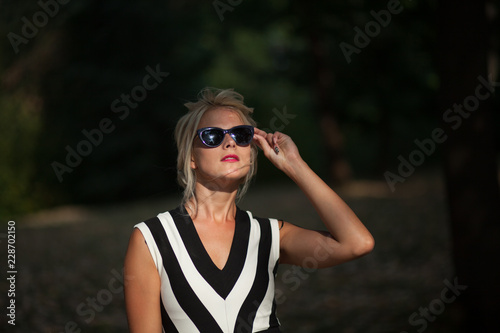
(201, 158)
(247, 155)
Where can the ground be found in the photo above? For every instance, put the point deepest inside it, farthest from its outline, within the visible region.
(70, 261)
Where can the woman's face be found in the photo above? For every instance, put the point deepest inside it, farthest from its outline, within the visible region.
(227, 162)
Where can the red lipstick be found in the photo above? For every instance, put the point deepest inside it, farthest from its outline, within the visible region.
(230, 158)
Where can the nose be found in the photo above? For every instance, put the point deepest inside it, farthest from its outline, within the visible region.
(228, 141)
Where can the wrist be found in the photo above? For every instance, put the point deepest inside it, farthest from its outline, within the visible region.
(295, 168)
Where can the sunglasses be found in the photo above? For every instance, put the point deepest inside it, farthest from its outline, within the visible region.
(213, 136)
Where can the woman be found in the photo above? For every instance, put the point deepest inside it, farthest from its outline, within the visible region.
(208, 266)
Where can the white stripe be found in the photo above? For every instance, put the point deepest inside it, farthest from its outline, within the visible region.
(247, 277)
(264, 311)
(225, 312)
(181, 320)
(177, 315)
(150, 242)
(206, 294)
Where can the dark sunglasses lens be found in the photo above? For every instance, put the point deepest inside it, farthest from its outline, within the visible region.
(212, 137)
(242, 135)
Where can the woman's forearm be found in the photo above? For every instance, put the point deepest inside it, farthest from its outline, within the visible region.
(337, 216)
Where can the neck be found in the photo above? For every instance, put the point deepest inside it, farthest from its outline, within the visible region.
(217, 206)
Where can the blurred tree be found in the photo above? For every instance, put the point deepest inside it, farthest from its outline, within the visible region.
(279, 55)
(80, 66)
(20, 114)
(470, 156)
(314, 17)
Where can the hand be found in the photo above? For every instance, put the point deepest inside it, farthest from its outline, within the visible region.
(287, 155)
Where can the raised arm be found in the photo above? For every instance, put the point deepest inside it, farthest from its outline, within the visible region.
(347, 238)
(142, 287)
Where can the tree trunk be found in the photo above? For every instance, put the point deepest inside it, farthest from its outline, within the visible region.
(466, 112)
(338, 167)
(323, 79)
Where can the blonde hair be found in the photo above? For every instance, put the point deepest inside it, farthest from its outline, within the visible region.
(185, 132)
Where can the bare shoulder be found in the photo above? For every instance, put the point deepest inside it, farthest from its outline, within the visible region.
(138, 258)
(137, 238)
(142, 286)
(137, 245)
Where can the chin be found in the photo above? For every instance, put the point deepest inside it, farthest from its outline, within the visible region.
(235, 176)
(237, 172)
(230, 174)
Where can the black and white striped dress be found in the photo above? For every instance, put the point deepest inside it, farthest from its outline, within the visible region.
(196, 295)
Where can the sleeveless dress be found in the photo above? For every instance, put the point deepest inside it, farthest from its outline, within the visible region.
(197, 296)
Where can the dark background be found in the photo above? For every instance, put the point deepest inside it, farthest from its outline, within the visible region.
(355, 118)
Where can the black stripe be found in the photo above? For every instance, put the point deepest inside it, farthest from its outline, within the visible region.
(222, 281)
(273, 320)
(183, 292)
(271, 330)
(246, 316)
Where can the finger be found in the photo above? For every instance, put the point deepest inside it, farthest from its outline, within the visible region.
(267, 136)
(270, 139)
(259, 132)
(278, 136)
(263, 144)
(274, 144)
(261, 141)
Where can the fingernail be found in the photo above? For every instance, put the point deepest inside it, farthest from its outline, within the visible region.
(276, 150)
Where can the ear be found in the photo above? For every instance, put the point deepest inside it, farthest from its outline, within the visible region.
(193, 163)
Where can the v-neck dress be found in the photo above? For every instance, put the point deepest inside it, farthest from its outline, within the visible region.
(197, 296)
